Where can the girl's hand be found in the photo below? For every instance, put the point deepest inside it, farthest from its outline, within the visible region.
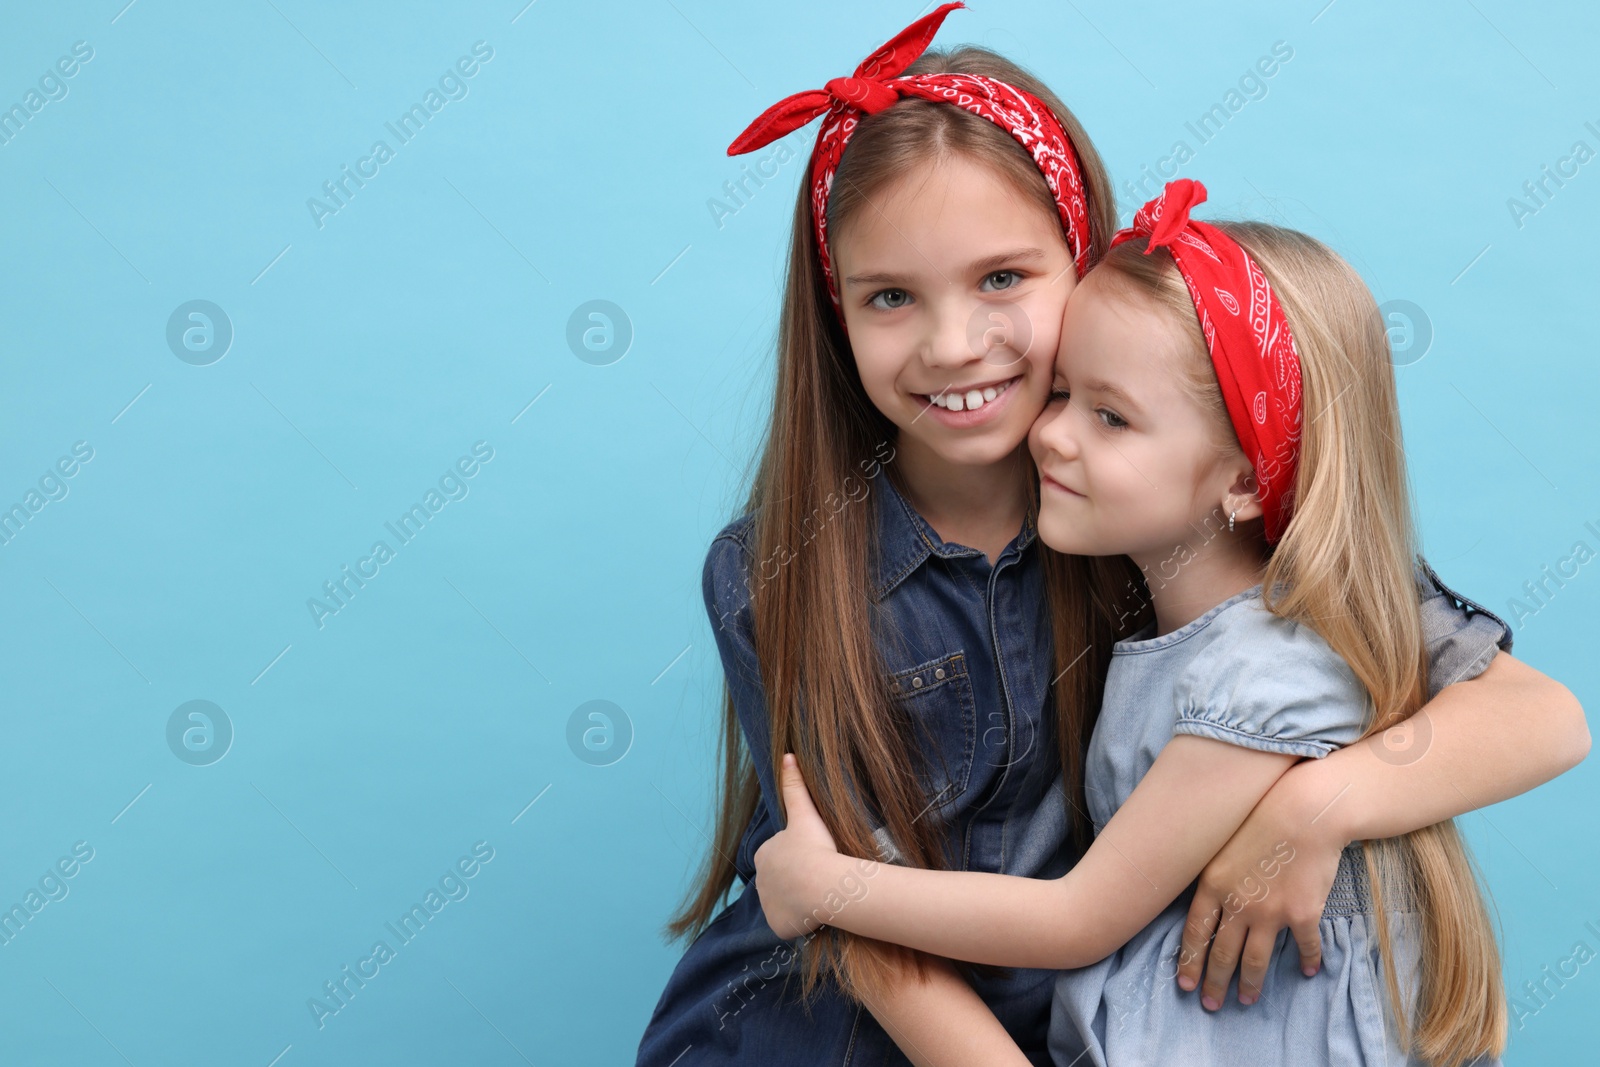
(792, 865)
(1275, 872)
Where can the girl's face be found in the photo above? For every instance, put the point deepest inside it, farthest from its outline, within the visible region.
(953, 287)
(1128, 461)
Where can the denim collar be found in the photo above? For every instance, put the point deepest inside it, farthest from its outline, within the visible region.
(905, 539)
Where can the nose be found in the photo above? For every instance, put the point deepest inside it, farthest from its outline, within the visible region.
(1056, 432)
(949, 344)
(1002, 332)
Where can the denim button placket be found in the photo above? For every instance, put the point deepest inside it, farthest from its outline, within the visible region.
(933, 608)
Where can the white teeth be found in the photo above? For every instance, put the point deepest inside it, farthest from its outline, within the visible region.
(971, 400)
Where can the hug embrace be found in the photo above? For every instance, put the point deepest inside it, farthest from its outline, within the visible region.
(1118, 720)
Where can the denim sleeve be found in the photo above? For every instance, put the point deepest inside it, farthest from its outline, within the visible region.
(1462, 636)
(725, 584)
(1270, 684)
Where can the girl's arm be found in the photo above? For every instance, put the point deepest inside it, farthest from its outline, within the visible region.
(1477, 743)
(942, 1022)
(1148, 853)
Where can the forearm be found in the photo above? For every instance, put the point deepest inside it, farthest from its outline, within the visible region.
(964, 915)
(942, 1022)
(1150, 849)
(1476, 743)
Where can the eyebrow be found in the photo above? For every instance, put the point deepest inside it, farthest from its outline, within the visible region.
(986, 265)
(1098, 386)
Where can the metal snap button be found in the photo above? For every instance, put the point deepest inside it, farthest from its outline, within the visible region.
(916, 681)
(939, 673)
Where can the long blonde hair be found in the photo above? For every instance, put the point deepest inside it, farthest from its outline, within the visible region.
(828, 698)
(1345, 567)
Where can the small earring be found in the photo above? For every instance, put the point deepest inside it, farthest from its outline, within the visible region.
(1231, 514)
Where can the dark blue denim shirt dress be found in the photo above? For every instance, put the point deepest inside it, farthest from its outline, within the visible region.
(968, 647)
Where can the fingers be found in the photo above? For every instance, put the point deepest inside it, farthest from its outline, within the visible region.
(1226, 948)
(1308, 937)
(1253, 964)
(796, 798)
(781, 915)
(1217, 944)
(1197, 931)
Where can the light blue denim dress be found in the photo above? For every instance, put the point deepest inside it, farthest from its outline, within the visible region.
(1244, 676)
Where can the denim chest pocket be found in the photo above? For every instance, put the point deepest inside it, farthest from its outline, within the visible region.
(937, 698)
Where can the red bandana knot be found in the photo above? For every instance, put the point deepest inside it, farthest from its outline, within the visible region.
(878, 83)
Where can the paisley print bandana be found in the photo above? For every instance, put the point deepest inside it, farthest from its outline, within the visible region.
(1246, 333)
(877, 83)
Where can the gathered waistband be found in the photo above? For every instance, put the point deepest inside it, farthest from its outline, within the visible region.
(1352, 888)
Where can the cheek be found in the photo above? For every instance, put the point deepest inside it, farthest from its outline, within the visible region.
(1041, 361)
(1155, 491)
(1038, 365)
(873, 368)
(1115, 473)
(1045, 316)
(1028, 405)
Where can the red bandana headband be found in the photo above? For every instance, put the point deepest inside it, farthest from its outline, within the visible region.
(1250, 343)
(876, 85)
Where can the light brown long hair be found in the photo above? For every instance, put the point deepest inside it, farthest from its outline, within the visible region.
(1345, 567)
(827, 691)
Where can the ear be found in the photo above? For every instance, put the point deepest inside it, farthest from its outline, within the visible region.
(1243, 495)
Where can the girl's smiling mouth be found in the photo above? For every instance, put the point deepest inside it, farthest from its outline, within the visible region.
(969, 405)
(1050, 483)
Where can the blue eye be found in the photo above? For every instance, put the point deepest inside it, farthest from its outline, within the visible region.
(1016, 277)
(872, 300)
(1111, 419)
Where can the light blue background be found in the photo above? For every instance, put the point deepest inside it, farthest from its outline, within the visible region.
(428, 313)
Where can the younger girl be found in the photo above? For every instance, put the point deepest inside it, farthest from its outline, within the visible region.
(1224, 413)
(883, 607)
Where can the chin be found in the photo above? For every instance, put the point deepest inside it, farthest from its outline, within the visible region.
(991, 448)
(984, 453)
(1061, 535)
(1069, 535)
